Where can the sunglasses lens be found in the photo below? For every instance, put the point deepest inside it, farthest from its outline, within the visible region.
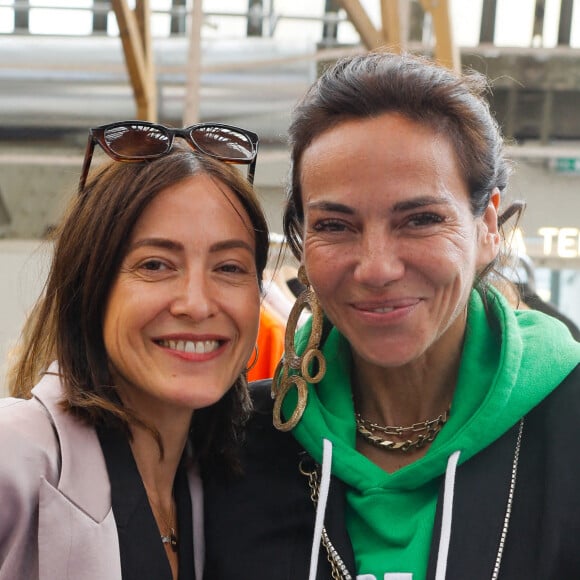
(223, 143)
(134, 141)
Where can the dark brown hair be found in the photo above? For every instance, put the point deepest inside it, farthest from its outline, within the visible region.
(370, 85)
(89, 246)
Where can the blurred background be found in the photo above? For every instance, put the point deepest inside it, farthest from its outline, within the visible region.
(67, 65)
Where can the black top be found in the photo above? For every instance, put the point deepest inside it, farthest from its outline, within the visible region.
(141, 550)
(264, 520)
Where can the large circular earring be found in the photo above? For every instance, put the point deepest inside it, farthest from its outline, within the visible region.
(295, 370)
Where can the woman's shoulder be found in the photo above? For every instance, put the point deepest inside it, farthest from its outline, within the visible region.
(557, 417)
(27, 417)
(262, 440)
(28, 439)
(29, 456)
(565, 399)
(260, 392)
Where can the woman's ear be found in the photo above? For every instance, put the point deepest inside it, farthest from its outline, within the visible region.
(489, 238)
(495, 199)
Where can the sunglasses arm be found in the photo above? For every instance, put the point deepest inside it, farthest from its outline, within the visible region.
(252, 170)
(87, 163)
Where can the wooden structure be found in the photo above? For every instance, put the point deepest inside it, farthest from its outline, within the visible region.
(135, 33)
(393, 34)
(535, 89)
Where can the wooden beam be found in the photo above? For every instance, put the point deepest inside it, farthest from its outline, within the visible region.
(446, 51)
(369, 35)
(133, 28)
(143, 20)
(143, 16)
(391, 22)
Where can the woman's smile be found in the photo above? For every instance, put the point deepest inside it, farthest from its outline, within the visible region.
(190, 346)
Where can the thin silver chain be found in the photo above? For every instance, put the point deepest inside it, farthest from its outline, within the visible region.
(508, 510)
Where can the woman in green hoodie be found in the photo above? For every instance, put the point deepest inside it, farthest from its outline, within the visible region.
(425, 429)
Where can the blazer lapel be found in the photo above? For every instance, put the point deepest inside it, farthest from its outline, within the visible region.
(71, 544)
(77, 531)
(83, 475)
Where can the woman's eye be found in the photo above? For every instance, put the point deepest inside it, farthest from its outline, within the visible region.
(424, 219)
(232, 268)
(153, 266)
(329, 226)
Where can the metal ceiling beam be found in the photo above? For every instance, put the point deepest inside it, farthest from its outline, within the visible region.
(565, 24)
(488, 15)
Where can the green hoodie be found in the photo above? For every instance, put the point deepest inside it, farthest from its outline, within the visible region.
(502, 376)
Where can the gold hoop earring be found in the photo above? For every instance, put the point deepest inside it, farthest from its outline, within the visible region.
(283, 381)
(255, 361)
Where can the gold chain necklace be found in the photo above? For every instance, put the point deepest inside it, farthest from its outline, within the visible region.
(375, 433)
(169, 538)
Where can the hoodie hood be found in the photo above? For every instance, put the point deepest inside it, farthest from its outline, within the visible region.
(503, 375)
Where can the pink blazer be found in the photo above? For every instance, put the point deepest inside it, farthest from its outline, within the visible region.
(56, 520)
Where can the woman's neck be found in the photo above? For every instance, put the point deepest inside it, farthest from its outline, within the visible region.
(400, 398)
(157, 471)
(403, 395)
(158, 475)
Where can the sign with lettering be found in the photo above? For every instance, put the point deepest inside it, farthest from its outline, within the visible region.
(560, 242)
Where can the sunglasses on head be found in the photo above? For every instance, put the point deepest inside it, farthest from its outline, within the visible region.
(132, 141)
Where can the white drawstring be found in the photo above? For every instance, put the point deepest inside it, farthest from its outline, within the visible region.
(321, 506)
(446, 516)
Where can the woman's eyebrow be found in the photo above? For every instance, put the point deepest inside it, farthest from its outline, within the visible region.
(331, 206)
(419, 202)
(157, 243)
(177, 246)
(405, 205)
(231, 244)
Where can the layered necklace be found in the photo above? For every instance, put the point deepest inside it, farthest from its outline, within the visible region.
(168, 535)
(415, 436)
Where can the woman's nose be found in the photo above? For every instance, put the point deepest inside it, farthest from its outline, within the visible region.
(193, 297)
(378, 262)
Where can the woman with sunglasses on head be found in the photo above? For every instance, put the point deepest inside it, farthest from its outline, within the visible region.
(426, 429)
(138, 348)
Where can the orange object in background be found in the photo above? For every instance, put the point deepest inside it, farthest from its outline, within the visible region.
(270, 345)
